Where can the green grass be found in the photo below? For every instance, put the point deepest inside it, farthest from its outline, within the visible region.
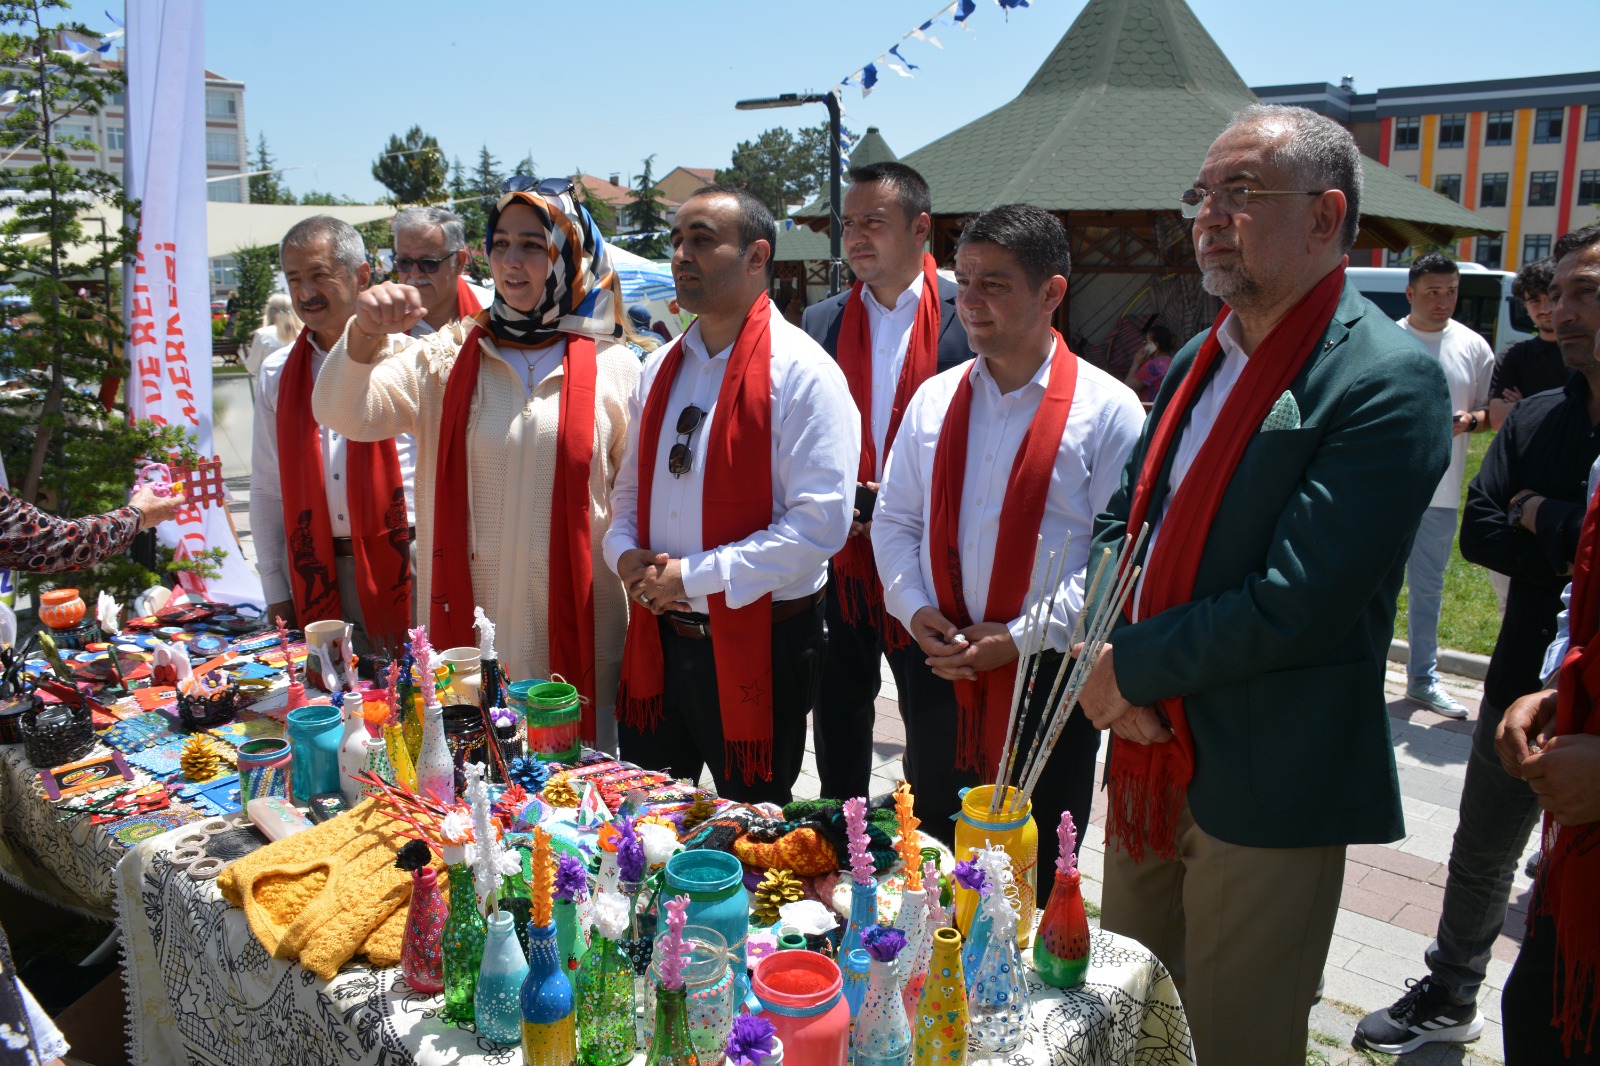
(1469, 618)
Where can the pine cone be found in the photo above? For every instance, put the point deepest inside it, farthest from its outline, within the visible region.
(199, 758)
(702, 808)
(558, 792)
(776, 889)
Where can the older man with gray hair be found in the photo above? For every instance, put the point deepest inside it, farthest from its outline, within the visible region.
(430, 255)
(1282, 474)
(332, 518)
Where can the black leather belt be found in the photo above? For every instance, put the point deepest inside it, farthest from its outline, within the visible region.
(343, 547)
(698, 626)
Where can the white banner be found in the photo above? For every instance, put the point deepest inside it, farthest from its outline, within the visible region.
(166, 302)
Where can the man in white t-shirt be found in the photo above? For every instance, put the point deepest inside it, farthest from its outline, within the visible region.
(1468, 364)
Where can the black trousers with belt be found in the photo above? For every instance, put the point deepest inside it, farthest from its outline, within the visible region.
(690, 734)
(841, 727)
(928, 706)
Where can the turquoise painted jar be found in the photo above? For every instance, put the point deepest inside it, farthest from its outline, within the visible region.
(314, 733)
(714, 883)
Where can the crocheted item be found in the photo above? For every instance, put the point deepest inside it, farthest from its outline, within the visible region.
(326, 893)
(199, 760)
(779, 887)
(803, 850)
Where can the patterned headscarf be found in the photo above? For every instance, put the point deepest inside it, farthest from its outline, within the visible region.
(581, 289)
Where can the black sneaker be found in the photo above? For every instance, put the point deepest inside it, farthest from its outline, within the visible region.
(1423, 1015)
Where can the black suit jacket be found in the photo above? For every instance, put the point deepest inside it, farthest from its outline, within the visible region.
(821, 321)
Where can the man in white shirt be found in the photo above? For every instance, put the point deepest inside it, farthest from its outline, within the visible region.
(1027, 422)
(892, 330)
(1468, 365)
(734, 491)
(430, 255)
(315, 563)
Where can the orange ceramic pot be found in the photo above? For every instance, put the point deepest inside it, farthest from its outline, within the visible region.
(61, 608)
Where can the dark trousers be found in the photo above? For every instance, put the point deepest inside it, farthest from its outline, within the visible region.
(841, 725)
(1528, 1003)
(690, 734)
(928, 705)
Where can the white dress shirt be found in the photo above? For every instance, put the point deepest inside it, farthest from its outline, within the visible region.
(890, 330)
(1101, 429)
(266, 493)
(1202, 416)
(816, 448)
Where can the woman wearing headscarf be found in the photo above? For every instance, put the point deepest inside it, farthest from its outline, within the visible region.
(520, 416)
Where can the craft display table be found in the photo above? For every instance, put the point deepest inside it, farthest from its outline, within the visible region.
(202, 990)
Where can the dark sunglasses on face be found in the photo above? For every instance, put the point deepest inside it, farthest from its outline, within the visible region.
(405, 264)
(680, 458)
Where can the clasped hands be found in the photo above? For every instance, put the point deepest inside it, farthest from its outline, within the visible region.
(1563, 771)
(957, 654)
(654, 580)
(1102, 700)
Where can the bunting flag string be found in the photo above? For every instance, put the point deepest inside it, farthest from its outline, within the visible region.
(956, 13)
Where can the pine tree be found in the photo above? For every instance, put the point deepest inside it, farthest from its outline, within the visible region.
(267, 188)
(647, 214)
(413, 169)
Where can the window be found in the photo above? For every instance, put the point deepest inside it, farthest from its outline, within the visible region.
(1448, 185)
(226, 192)
(1542, 188)
(1588, 187)
(1452, 131)
(1547, 125)
(119, 98)
(220, 104)
(114, 136)
(1497, 127)
(224, 268)
(222, 147)
(1492, 191)
(1400, 258)
(1488, 252)
(63, 130)
(1407, 133)
(1591, 124)
(1535, 246)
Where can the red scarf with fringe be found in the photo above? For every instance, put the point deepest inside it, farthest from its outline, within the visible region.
(467, 303)
(571, 592)
(1566, 889)
(984, 704)
(380, 532)
(1149, 781)
(736, 501)
(860, 590)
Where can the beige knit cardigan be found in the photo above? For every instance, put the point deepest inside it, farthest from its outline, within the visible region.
(511, 451)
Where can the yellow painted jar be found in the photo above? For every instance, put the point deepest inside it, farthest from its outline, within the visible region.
(1018, 833)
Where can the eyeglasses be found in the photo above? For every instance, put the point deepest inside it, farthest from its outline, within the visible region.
(544, 187)
(405, 264)
(1231, 199)
(680, 458)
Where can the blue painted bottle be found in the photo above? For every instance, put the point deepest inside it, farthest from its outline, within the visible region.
(549, 1023)
(498, 997)
(863, 916)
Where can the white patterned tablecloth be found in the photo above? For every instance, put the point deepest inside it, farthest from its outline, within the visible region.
(202, 991)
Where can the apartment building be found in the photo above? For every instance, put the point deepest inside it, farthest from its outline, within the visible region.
(1522, 152)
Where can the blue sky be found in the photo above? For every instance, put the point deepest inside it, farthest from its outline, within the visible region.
(599, 85)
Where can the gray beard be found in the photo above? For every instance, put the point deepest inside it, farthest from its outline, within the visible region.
(1234, 287)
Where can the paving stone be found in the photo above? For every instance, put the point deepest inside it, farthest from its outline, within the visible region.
(1376, 933)
(1371, 904)
(1386, 857)
(1405, 889)
(1424, 920)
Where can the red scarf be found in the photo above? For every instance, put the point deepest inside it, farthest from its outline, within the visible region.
(379, 528)
(467, 303)
(736, 501)
(1149, 781)
(571, 610)
(860, 590)
(984, 704)
(1566, 888)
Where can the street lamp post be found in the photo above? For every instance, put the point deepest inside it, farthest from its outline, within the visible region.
(831, 101)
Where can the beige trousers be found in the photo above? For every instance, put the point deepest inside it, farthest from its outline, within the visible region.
(1244, 931)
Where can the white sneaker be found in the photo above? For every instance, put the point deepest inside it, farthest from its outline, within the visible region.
(1437, 700)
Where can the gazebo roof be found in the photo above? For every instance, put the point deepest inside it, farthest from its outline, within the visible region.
(872, 148)
(1119, 118)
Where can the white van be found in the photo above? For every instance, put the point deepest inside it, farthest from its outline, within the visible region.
(1486, 303)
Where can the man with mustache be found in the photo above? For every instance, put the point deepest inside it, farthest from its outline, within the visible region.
(430, 255)
(1282, 475)
(338, 495)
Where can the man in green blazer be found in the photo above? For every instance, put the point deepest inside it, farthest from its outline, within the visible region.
(1282, 474)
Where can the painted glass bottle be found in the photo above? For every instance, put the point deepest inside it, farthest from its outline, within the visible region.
(420, 958)
(462, 945)
(497, 1000)
(976, 944)
(863, 916)
(882, 1035)
(912, 965)
(570, 944)
(939, 1033)
(1061, 944)
(605, 1004)
(670, 1044)
(549, 1017)
(436, 771)
(997, 1006)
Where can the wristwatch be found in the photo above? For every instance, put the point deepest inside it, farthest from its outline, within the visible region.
(1514, 516)
(1472, 426)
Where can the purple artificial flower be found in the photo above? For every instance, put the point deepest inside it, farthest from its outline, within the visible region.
(572, 880)
(503, 717)
(971, 877)
(884, 942)
(630, 852)
(750, 1041)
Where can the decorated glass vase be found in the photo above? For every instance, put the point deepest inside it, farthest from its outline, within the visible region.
(352, 749)
(976, 944)
(570, 945)
(462, 944)
(708, 989)
(421, 959)
(549, 1015)
(1018, 834)
(670, 1042)
(497, 1000)
(1061, 943)
(718, 900)
(912, 965)
(436, 772)
(881, 1035)
(856, 964)
(863, 916)
(939, 1033)
(605, 1005)
(997, 1005)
